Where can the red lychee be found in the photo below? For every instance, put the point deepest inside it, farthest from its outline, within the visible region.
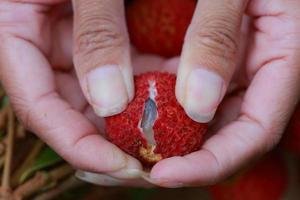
(154, 126)
(266, 180)
(159, 26)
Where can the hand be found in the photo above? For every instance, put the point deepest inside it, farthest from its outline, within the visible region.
(252, 122)
(141, 64)
(36, 69)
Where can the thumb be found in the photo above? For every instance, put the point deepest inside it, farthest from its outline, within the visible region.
(102, 55)
(209, 56)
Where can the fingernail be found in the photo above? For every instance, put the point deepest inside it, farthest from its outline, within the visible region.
(107, 90)
(132, 170)
(204, 91)
(98, 179)
(127, 173)
(162, 182)
(146, 177)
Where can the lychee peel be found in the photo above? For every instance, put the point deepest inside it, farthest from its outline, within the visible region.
(154, 126)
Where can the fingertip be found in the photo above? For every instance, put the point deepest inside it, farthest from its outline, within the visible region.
(204, 91)
(163, 171)
(107, 90)
(110, 111)
(103, 66)
(201, 118)
(93, 153)
(132, 170)
(195, 169)
(164, 175)
(115, 158)
(98, 179)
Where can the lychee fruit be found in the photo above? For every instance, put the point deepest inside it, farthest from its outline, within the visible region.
(154, 126)
(266, 180)
(159, 26)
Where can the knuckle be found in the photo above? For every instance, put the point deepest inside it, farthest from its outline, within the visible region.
(216, 38)
(98, 34)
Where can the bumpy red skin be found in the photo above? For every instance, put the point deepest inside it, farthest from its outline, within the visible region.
(159, 26)
(174, 132)
(267, 180)
(291, 137)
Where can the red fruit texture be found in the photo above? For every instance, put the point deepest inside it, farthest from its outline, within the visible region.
(172, 133)
(291, 137)
(159, 26)
(266, 180)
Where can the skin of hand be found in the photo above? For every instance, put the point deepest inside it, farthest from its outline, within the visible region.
(57, 100)
(251, 122)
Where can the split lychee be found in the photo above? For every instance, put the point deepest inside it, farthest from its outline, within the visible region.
(154, 125)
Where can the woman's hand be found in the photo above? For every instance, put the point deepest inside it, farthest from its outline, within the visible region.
(249, 123)
(36, 69)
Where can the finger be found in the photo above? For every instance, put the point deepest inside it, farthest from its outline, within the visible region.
(99, 179)
(69, 89)
(98, 122)
(102, 54)
(61, 55)
(277, 32)
(107, 180)
(228, 112)
(32, 91)
(17, 18)
(265, 110)
(209, 56)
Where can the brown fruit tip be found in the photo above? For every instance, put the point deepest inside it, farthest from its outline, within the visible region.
(149, 155)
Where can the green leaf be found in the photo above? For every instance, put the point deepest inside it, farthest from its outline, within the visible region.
(45, 159)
